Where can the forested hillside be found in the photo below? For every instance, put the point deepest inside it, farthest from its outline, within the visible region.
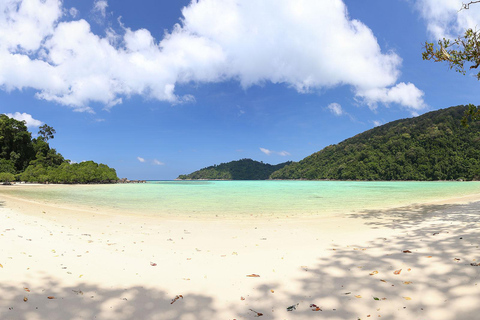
(244, 169)
(33, 160)
(433, 146)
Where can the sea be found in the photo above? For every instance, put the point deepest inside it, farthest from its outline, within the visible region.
(244, 198)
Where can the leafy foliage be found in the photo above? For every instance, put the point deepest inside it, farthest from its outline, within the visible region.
(433, 146)
(32, 160)
(6, 177)
(464, 49)
(244, 169)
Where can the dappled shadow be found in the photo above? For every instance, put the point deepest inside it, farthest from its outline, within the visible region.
(434, 252)
(432, 248)
(89, 301)
(411, 216)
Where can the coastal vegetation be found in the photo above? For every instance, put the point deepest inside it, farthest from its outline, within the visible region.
(33, 160)
(243, 169)
(433, 146)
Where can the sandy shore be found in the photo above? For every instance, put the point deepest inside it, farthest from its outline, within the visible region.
(407, 263)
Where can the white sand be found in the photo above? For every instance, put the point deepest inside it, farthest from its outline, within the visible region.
(104, 266)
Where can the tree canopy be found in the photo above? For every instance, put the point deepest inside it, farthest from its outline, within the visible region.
(33, 160)
(243, 169)
(433, 146)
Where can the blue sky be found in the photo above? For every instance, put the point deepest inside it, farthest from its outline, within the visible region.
(161, 88)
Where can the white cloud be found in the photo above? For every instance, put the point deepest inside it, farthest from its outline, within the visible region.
(100, 6)
(444, 18)
(73, 12)
(335, 108)
(377, 123)
(158, 163)
(288, 42)
(141, 159)
(266, 151)
(269, 152)
(30, 121)
(405, 94)
(283, 153)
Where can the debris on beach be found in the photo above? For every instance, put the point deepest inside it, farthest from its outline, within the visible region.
(374, 273)
(25, 299)
(407, 251)
(153, 264)
(176, 298)
(257, 314)
(407, 282)
(26, 289)
(293, 307)
(1, 266)
(473, 264)
(397, 272)
(358, 296)
(51, 297)
(315, 307)
(407, 298)
(253, 275)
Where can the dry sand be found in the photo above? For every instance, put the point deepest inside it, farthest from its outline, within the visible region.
(104, 266)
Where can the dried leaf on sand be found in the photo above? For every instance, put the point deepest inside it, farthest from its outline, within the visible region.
(176, 298)
(257, 314)
(315, 307)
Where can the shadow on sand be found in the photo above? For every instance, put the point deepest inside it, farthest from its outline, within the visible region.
(437, 280)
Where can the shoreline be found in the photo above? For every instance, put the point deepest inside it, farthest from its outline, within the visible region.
(25, 203)
(105, 266)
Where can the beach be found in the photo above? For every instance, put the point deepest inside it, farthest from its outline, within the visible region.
(415, 262)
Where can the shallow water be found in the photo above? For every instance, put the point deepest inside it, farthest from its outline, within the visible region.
(228, 198)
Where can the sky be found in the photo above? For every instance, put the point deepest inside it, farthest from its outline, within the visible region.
(157, 88)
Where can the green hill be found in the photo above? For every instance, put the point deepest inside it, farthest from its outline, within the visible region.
(244, 169)
(433, 146)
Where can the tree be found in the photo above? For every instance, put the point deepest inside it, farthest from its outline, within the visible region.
(6, 177)
(465, 49)
(15, 142)
(46, 132)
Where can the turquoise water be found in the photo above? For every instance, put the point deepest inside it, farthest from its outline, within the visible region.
(245, 197)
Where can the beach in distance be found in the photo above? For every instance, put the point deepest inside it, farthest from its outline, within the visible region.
(240, 250)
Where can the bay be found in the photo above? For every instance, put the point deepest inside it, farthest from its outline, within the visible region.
(244, 198)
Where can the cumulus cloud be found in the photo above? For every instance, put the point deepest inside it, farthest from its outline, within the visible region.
(403, 93)
(29, 120)
(158, 163)
(377, 123)
(287, 42)
(141, 159)
(444, 18)
(269, 152)
(335, 108)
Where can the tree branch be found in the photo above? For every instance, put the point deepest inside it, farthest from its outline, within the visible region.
(467, 5)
